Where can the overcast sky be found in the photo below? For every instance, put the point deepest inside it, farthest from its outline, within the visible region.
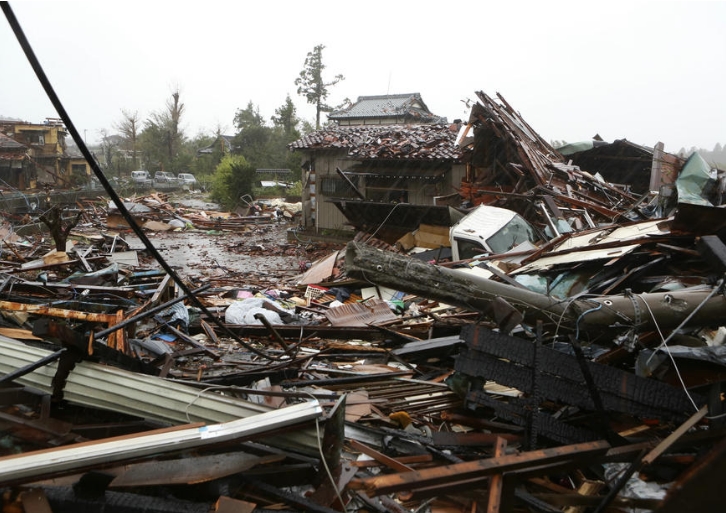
(644, 71)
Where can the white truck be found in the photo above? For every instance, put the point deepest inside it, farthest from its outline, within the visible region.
(489, 230)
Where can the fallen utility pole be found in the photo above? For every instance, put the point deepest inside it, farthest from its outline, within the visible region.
(688, 306)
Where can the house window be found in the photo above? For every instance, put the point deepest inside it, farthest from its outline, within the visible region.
(337, 187)
(35, 138)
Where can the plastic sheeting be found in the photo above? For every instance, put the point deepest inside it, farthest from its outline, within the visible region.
(696, 181)
(243, 312)
(635, 488)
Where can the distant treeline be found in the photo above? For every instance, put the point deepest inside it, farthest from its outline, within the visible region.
(715, 157)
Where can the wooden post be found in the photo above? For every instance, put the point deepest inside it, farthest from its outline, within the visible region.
(497, 480)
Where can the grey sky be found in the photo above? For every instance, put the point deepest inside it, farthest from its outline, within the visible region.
(645, 71)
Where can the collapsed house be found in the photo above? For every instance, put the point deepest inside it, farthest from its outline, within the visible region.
(639, 168)
(379, 152)
(581, 370)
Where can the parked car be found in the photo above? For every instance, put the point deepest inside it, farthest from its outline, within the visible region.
(141, 177)
(164, 177)
(187, 179)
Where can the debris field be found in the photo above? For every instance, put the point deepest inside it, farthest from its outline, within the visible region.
(580, 370)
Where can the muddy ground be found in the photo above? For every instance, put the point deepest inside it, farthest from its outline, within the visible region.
(259, 253)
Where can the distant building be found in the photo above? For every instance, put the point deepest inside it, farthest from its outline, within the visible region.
(14, 163)
(222, 143)
(389, 109)
(47, 159)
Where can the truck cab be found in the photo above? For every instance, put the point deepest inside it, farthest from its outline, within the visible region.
(488, 230)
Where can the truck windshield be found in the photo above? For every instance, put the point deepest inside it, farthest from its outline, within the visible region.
(511, 234)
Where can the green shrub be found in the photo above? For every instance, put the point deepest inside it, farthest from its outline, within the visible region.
(233, 178)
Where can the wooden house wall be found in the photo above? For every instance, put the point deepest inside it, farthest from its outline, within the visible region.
(328, 217)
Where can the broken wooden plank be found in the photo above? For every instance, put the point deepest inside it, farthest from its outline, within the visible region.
(497, 480)
(229, 505)
(35, 501)
(471, 439)
(649, 458)
(587, 488)
(58, 312)
(700, 488)
(380, 457)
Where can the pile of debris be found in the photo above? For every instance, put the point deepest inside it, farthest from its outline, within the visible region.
(579, 370)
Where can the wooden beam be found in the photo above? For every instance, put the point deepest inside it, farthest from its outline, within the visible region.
(380, 457)
(58, 312)
(480, 468)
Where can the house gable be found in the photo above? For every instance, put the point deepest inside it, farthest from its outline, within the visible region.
(223, 142)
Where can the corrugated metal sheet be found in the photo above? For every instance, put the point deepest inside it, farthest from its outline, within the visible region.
(76, 456)
(545, 263)
(320, 270)
(148, 397)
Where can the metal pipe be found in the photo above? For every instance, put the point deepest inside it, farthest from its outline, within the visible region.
(7, 378)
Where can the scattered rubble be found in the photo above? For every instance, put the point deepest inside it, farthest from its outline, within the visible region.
(581, 371)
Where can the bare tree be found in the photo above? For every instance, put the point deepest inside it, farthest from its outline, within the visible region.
(59, 228)
(163, 138)
(129, 129)
(175, 109)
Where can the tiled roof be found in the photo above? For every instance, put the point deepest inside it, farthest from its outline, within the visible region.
(10, 144)
(386, 106)
(410, 142)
